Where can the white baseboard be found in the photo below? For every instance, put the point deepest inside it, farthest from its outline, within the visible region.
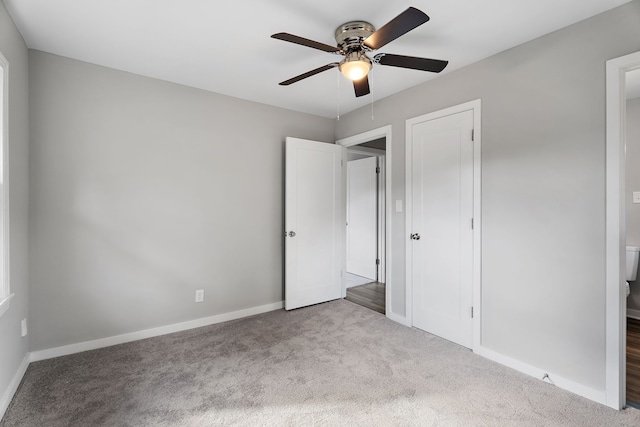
(149, 333)
(566, 384)
(634, 314)
(13, 385)
(397, 318)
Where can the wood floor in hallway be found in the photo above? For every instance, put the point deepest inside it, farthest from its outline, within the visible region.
(633, 361)
(371, 296)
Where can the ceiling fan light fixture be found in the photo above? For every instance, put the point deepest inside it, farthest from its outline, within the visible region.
(355, 39)
(355, 66)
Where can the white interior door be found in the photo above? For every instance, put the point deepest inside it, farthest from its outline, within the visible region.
(314, 222)
(441, 228)
(362, 206)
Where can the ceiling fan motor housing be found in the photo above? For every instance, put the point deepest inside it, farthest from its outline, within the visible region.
(355, 39)
(349, 36)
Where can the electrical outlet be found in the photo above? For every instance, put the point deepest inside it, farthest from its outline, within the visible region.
(23, 324)
(200, 295)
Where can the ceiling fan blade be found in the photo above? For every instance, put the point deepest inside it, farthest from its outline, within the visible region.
(305, 42)
(309, 74)
(401, 24)
(361, 86)
(422, 64)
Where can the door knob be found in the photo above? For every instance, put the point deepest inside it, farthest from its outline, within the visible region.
(292, 234)
(415, 236)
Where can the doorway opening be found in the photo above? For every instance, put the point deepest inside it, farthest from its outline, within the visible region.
(632, 235)
(616, 228)
(365, 240)
(632, 203)
(367, 227)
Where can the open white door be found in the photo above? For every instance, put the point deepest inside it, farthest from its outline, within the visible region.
(314, 222)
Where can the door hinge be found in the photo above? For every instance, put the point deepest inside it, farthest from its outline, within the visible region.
(473, 135)
(342, 163)
(377, 261)
(472, 223)
(472, 312)
(377, 169)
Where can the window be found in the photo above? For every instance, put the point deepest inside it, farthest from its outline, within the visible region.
(5, 294)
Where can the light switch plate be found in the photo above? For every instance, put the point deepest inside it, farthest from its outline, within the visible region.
(636, 197)
(200, 295)
(398, 205)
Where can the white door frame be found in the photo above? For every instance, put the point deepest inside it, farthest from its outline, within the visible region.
(474, 105)
(382, 132)
(616, 301)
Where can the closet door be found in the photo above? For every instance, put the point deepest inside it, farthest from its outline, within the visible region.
(441, 230)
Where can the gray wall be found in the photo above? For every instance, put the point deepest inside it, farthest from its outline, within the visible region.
(355, 156)
(543, 183)
(13, 348)
(143, 191)
(380, 144)
(633, 184)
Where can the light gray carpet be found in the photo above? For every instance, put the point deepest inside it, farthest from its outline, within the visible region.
(331, 364)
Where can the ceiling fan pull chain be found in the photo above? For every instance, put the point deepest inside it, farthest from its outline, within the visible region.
(371, 95)
(338, 97)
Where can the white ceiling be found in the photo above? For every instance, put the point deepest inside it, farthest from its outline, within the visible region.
(225, 47)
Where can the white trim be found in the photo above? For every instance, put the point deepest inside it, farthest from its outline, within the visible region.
(366, 150)
(615, 240)
(5, 285)
(382, 221)
(149, 333)
(634, 314)
(382, 132)
(476, 106)
(408, 217)
(4, 304)
(551, 378)
(36, 356)
(397, 318)
(477, 223)
(13, 385)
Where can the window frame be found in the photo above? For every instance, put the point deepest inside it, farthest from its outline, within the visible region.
(5, 288)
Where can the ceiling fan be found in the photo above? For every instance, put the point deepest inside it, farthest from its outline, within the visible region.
(357, 38)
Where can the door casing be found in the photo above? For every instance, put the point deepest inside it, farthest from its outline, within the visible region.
(382, 132)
